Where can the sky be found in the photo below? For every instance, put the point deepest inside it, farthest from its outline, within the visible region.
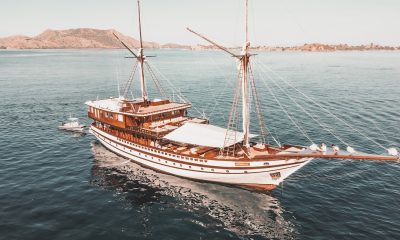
(271, 22)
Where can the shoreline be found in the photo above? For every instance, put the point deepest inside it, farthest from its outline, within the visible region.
(207, 49)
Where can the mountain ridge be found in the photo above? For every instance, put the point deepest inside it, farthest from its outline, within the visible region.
(75, 38)
(87, 38)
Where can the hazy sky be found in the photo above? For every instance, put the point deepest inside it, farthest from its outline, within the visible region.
(272, 22)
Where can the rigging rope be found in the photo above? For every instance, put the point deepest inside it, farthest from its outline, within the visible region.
(286, 112)
(155, 80)
(233, 118)
(254, 94)
(263, 127)
(220, 93)
(303, 109)
(174, 89)
(319, 105)
(129, 82)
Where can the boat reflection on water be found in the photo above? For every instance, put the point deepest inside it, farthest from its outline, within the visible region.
(240, 211)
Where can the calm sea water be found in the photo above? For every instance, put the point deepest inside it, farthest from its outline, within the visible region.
(57, 185)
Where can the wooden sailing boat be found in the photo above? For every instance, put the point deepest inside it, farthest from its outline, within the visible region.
(160, 134)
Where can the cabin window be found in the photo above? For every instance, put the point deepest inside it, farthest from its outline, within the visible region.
(227, 171)
(212, 170)
(120, 117)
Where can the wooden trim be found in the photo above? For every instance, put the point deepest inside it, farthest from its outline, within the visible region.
(110, 121)
(261, 187)
(331, 156)
(201, 165)
(182, 107)
(242, 159)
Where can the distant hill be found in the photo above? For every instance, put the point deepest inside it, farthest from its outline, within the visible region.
(95, 38)
(76, 38)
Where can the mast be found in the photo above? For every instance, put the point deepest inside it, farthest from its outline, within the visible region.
(244, 58)
(141, 58)
(245, 92)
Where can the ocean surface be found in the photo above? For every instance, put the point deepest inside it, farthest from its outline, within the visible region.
(60, 185)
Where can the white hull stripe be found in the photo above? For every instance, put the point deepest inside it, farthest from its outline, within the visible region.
(270, 168)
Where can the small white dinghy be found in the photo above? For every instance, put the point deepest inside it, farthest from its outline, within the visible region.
(72, 125)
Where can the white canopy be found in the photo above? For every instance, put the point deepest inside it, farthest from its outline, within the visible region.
(204, 135)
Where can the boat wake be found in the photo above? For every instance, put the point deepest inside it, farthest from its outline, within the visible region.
(241, 212)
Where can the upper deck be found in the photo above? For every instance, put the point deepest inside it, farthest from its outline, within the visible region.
(137, 107)
(155, 118)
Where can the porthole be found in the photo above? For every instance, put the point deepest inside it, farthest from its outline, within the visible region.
(202, 168)
(180, 165)
(212, 170)
(245, 171)
(166, 161)
(227, 171)
(190, 166)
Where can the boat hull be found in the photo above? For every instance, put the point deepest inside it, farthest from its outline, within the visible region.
(264, 175)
